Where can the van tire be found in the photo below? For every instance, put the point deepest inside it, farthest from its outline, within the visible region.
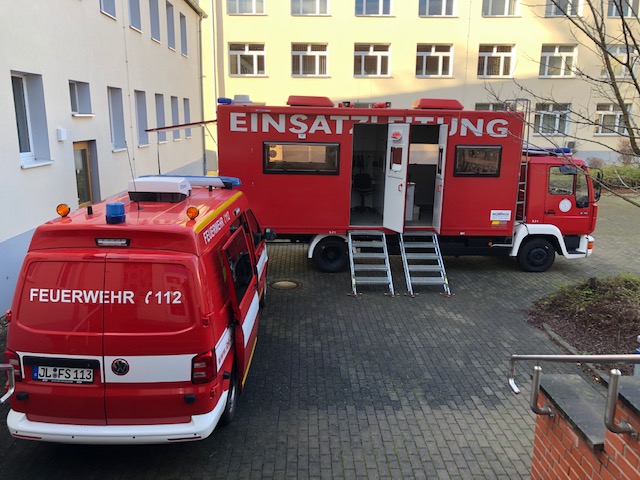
(232, 400)
(536, 255)
(330, 255)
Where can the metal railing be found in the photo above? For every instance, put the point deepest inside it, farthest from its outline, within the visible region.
(612, 392)
(12, 381)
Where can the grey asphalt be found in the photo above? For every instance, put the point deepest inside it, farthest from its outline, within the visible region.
(370, 387)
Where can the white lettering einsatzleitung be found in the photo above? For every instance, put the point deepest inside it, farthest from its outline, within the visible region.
(59, 295)
(301, 124)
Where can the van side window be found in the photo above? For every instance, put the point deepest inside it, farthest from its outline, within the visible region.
(477, 161)
(239, 257)
(301, 158)
(254, 228)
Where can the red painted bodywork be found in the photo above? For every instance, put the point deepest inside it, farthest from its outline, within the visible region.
(167, 253)
(299, 204)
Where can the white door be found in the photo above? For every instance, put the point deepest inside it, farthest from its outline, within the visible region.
(395, 187)
(440, 169)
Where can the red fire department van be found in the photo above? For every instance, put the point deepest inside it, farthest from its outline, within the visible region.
(135, 320)
(318, 171)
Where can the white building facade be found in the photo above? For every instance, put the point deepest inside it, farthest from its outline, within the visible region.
(480, 52)
(82, 81)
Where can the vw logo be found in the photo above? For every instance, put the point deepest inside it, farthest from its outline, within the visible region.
(120, 366)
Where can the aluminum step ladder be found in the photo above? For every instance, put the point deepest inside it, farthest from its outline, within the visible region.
(422, 260)
(369, 259)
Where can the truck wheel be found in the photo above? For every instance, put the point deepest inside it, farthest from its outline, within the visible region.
(232, 400)
(536, 255)
(330, 255)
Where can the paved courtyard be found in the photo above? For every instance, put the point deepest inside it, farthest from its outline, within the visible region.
(370, 387)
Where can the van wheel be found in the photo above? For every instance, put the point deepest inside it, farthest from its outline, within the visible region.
(330, 255)
(232, 400)
(536, 255)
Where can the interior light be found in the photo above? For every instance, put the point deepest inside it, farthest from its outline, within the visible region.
(63, 210)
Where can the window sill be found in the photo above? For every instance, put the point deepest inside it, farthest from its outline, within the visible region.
(185, 55)
(438, 16)
(439, 77)
(107, 14)
(144, 145)
(501, 16)
(157, 40)
(83, 115)
(36, 164)
(240, 75)
(118, 150)
(556, 77)
(310, 15)
(135, 29)
(310, 76)
(177, 139)
(372, 76)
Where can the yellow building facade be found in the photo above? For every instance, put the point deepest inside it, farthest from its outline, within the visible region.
(480, 52)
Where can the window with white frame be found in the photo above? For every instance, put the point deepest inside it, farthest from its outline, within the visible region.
(116, 117)
(496, 60)
(373, 7)
(245, 7)
(436, 8)
(371, 60)
(142, 123)
(246, 59)
(624, 60)
(184, 48)
(186, 106)
(622, 8)
(551, 118)
(493, 107)
(308, 60)
(499, 8)
(175, 117)
(80, 98)
(557, 61)
(563, 8)
(160, 122)
(108, 7)
(309, 7)
(609, 119)
(171, 27)
(135, 20)
(154, 13)
(434, 60)
(31, 119)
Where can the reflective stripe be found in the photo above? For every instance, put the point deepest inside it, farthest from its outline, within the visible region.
(151, 369)
(250, 319)
(262, 262)
(223, 347)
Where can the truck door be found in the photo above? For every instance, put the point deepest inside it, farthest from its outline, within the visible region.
(440, 170)
(567, 203)
(57, 331)
(395, 188)
(243, 290)
(260, 249)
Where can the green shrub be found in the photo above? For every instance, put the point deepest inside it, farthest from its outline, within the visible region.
(620, 175)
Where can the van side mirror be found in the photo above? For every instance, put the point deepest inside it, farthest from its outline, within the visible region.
(269, 234)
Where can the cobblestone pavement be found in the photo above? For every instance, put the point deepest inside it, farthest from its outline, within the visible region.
(370, 387)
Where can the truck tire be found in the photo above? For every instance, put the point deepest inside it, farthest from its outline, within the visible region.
(232, 400)
(536, 255)
(330, 255)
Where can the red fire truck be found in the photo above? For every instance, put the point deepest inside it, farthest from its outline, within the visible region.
(317, 172)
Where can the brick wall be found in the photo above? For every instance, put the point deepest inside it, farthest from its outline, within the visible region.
(561, 452)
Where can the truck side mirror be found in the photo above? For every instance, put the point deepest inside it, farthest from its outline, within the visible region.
(269, 234)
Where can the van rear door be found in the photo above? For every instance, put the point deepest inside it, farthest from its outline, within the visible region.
(243, 288)
(57, 332)
(151, 337)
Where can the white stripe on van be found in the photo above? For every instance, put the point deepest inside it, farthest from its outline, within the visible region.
(151, 369)
(250, 319)
(262, 262)
(223, 347)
